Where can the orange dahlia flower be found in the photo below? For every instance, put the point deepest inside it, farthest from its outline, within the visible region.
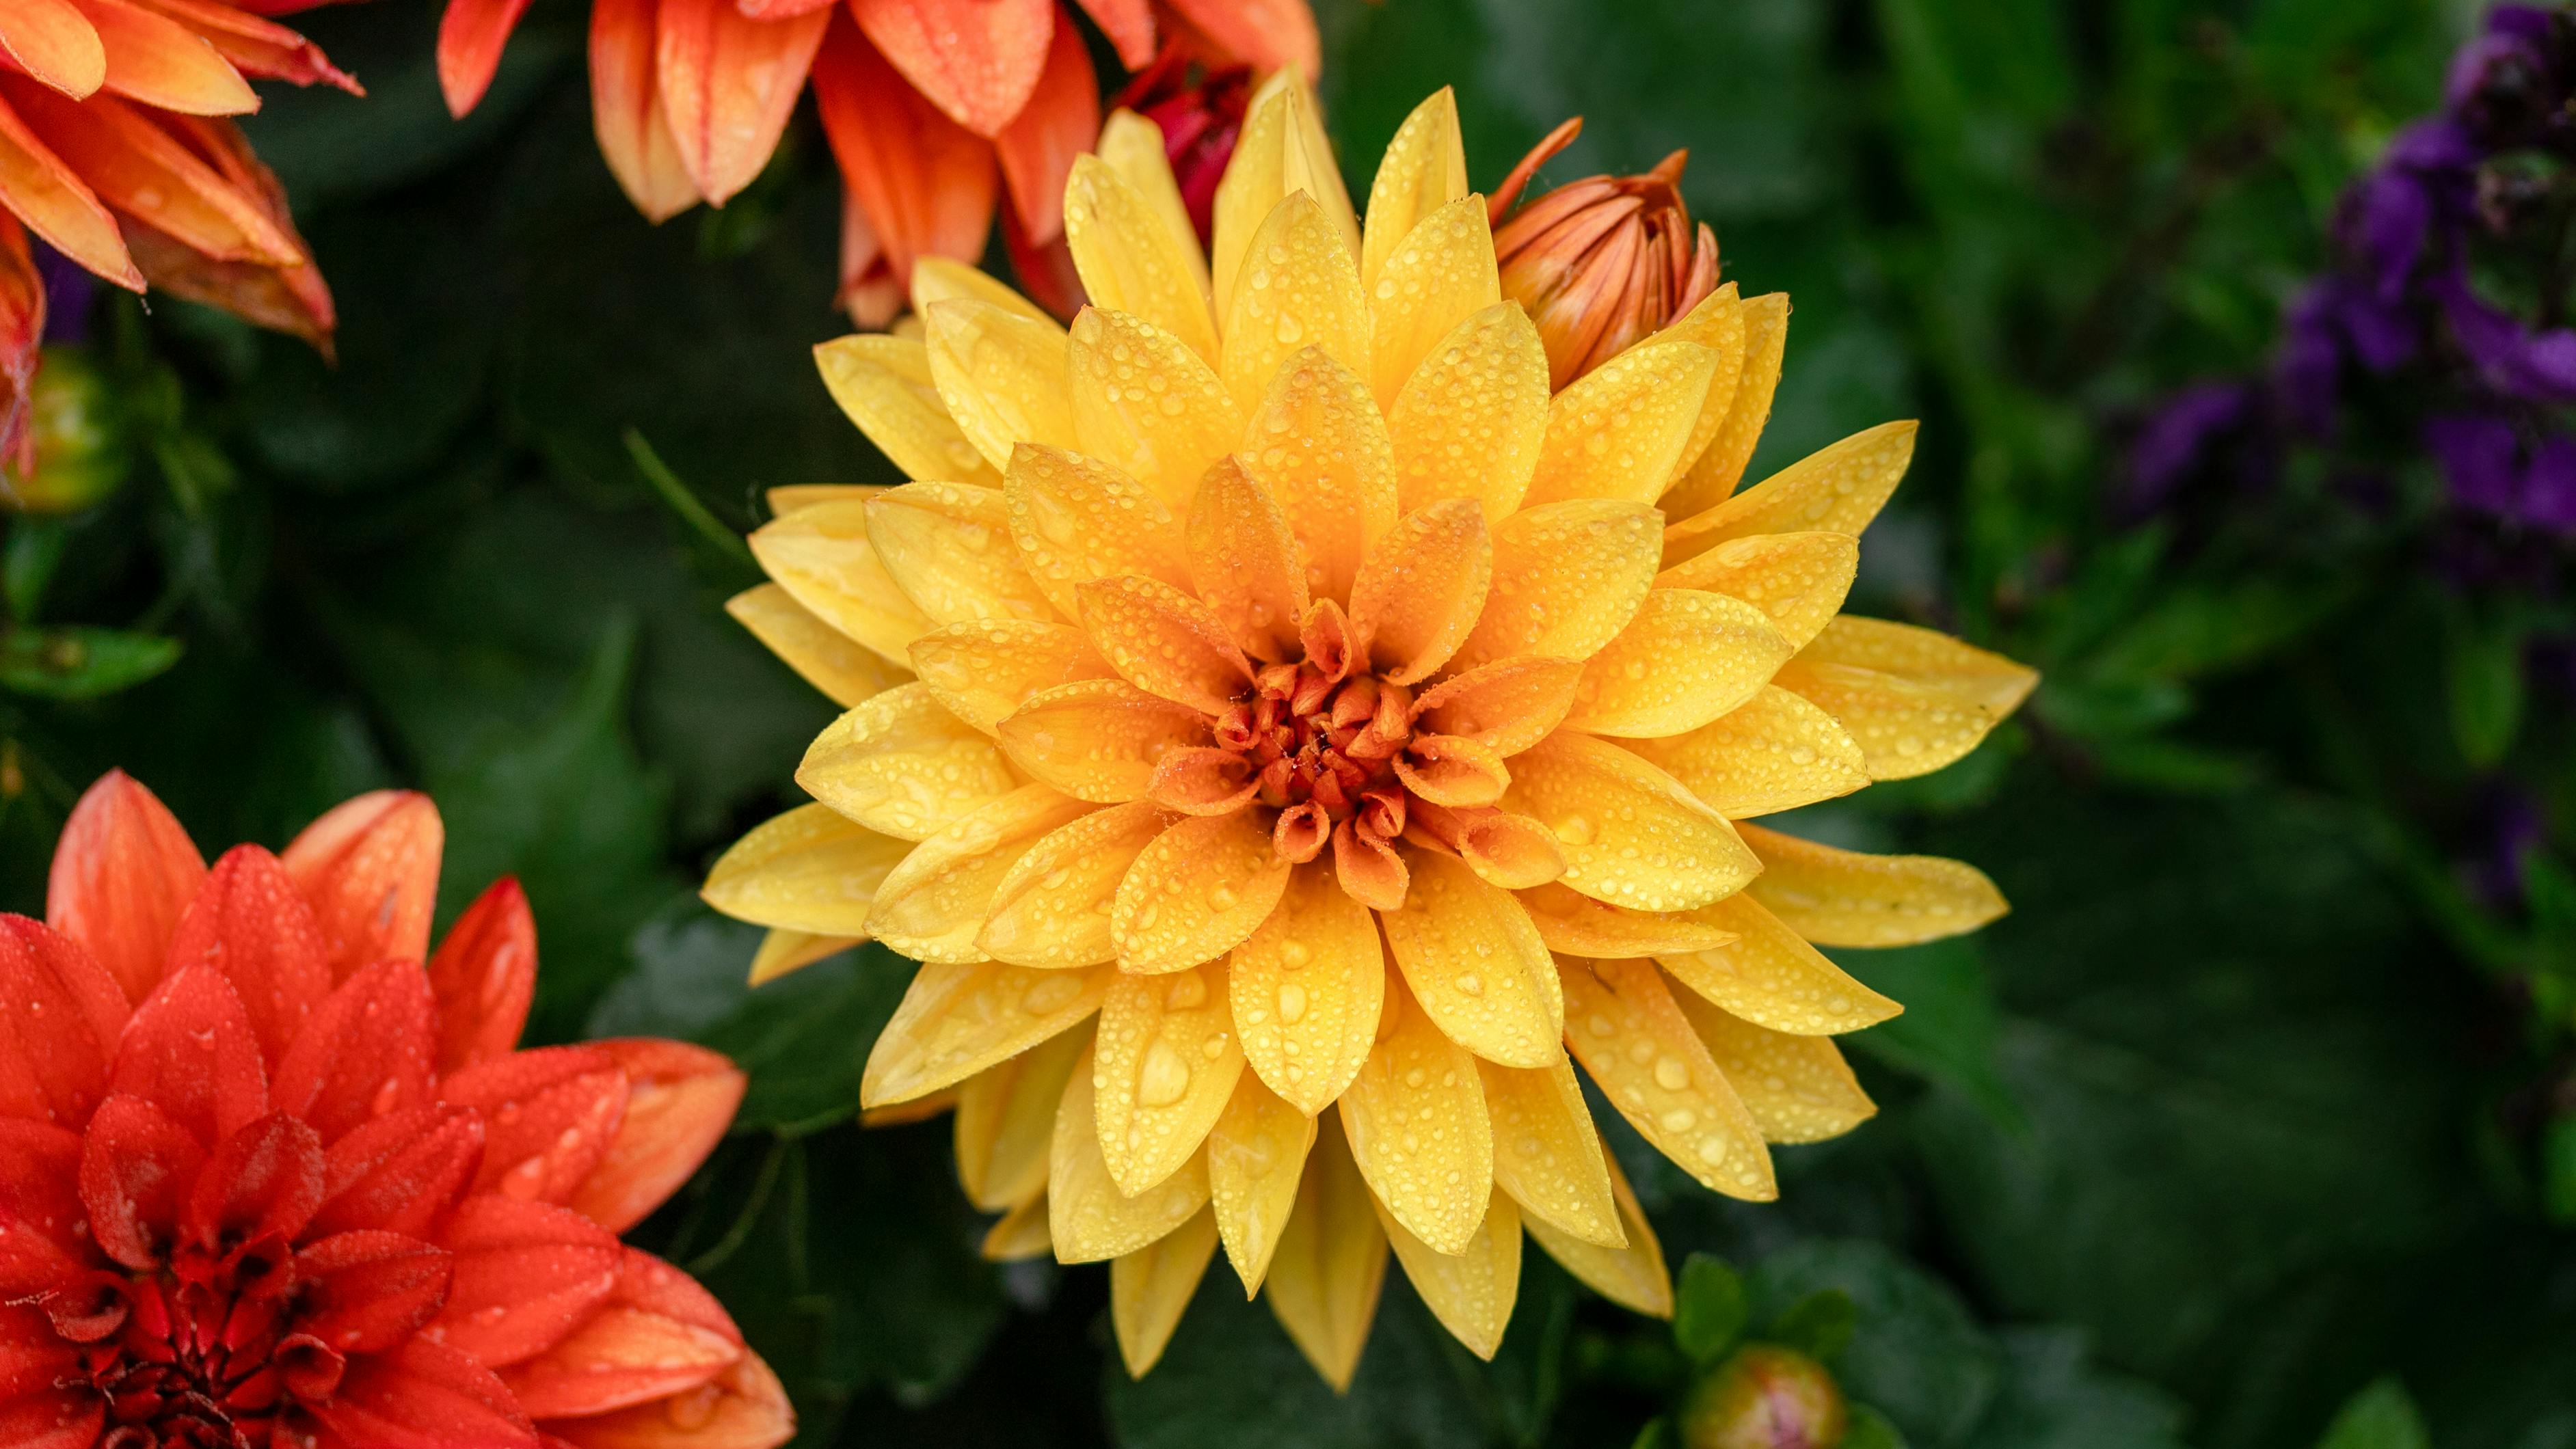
(268, 1178)
(114, 148)
(934, 108)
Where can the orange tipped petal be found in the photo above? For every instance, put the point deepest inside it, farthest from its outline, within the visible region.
(658, 1335)
(369, 869)
(626, 110)
(1129, 24)
(22, 330)
(742, 1408)
(977, 60)
(52, 41)
(366, 1052)
(551, 1114)
(51, 198)
(156, 60)
(679, 1101)
(249, 924)
(728, 85)
(470, 37)
(54, 1068)
(925, 183)
(257, 47)
(124, 871)
(526, 1274)
(289, 296)
(1059, 122)
(425, 1392)
(1263, 34)
(484, 975)
(146, 173)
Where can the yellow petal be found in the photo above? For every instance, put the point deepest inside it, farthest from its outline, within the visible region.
(822, 558)
(1619, 432)
(1567, 578)
(1454, 772)
(1020, 1234)
(808, 870)
(1798, 1088)
(1129, 262)
(1280, 152)
(1418, 1130)
(1508, 705)
(983, 672)
(782, 951)
(902, 765)
(1771, 977)
(1052, 910)
(1300, 289)
(1773, 752)
(884, 385)
(828, 659)
(957, 1020)
(1797, 579)
(1006, 1119)
(1440, 276)
(1476, 965)
(1324, 1280)
(1099, 739)
(1423, 170)
(1076, 519)
(1721, 463)
(1844, 898)
(1717, 324)
(1256, 1154)
(1245, 563)
(931, 907)
(1631, 834)
(1632, 1276)
(1317, 443)
(1624, 1026)
(937, 279)
(1163, 1067)
(1915, 699)
(1574, 924)
(1195, 893)
(1090, 1219)
(1133, 147)
(1307, 989)
(1421, 588)
(1546, 1153)
(1165, 642)
(1151, 1287)
(1144, 403)
(1685, 659)
(787, 498)
(1836, 489)
(1001, 375)
(1472, 417)
(1472, 1290)
(904, 1114)
(948, 547)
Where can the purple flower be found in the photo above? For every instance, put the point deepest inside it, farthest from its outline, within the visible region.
(70, 294)
(2481, 460)
(2549, 487)
(2502, 85)
(2509, 357)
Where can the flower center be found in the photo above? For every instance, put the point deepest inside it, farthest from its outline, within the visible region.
(205, 1353)
(1319, 747)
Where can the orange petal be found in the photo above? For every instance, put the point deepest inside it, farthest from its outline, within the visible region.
(257, 47)
(1622, 1023)
(1263, 34)
(744, 1407)
(1246, 562)
(124, 870)
(369, 870)
(156, 60)
(22, 328)
(53, 201)
(1059, 122)
(1099, 739)
(1422, 587)
(626, 110)
(52, 41)
(1129, 24)
(1164, 642)
(977, 60)
(144, 172)
(287, 295)
(625, 1355)
(1510, 704)
(483, 977)
(679, 1101)
(728, 85)
(470, 36)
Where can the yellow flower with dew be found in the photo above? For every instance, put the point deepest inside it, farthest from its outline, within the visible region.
(1292, 739)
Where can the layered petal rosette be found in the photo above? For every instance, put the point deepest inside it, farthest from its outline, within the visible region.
(1293, 739)
(271, 1172)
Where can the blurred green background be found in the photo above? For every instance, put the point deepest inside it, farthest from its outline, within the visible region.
(2249, 1105)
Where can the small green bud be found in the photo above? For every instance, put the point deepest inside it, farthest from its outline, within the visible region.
(80, 450)
(1765, 1397)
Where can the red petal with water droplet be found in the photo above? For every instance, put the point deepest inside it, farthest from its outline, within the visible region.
(189, 1051)
(1059, 122)
(249, 923)
(263, 1182)
(484, 975)
(364, 1054)
(658, 1335)
(425, 1395)
(977, 60)
(43, 1417)
(364, 1292)
(124, 871)
(136, 1168)
(680, 1099)
(400, 1173)
(42, 1240)
(551, 1114)
(60, 1015)
(369, 870)
(527, 1274)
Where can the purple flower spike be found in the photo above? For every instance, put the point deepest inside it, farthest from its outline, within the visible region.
(2510, 358)
(2481, 460)
(2549, 487)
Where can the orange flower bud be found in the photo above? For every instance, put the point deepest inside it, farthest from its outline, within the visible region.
(1765, 1397)
(1602, 263)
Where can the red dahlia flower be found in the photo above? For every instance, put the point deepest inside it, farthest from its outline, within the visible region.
(266, 1178)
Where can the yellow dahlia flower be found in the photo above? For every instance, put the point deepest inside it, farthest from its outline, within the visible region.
(1284, 732)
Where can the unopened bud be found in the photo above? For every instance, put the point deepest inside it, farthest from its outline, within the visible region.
(1601, 263)
(78, 452)
(1765, 1397)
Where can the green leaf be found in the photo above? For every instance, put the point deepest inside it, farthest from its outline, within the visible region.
(2054, 1398)
(2482, 679)
(1708, 1308)
(1949, 1028)
(2558, 1169)
(1658, 1434)
(1915, 1352)
(80, 663)
(1871, 1429)
(28, 558)
(2381, 1416)
(1819, 1325)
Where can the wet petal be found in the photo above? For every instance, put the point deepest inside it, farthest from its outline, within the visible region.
(822, 557)
(948, 547)
(1246, 563)
(1915, 699)
(1424, 169)
(1620, 431)
(1476, 965)
(1624, 1026)
(902, 765)
(1131, 261)
(1006, 1121)
(1040, 146)
(1164, 1065)
(1418, 1129)
(1149, 1288)
(1331, 1264)
(1280, 151)
(809, 870)
(1685, 659)
(1567, 578)
(1100, 739)
(1774, 752)
(1317, 443)
(1798, 579)
(369, 870)
(1076, 519)
(369, 1048)
(525, 1275)
(978, 60)
(1197, 892)
(1146, 404)
(61, 1029)
(1509, 705)
(932, 905)
(1421, 589)
(956, 1021)
(124, 872)
(1132, 145)
(1798, 1088)
(1089, 1218)
(1717, 324)
(1439, 277)
(1001, 375)
(1547, 1154)
(782, 951)
(1771, 977)
(884, 384)
(1845, 898)
(947, 279)
(1632, 1276)
(1299, 289)
(984, 672)
(1052, 909)
(1256, 1157)
(1307, 988)
(1838, 489)
(1449, 771)
(680, 1099)
(728, 85)
(549, 1117)
(1471, 419)
(828, 659)
(248, 923)
(1631, 834)
(1472, 1290)
(1574, 924)
(1721, 463)
(1165, 642)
